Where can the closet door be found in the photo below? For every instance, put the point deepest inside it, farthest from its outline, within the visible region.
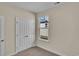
(25, 29)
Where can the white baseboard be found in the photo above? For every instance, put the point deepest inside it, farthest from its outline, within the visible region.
(12, 54)
(60, 54)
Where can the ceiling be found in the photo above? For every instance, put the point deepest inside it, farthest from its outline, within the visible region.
(33, 6)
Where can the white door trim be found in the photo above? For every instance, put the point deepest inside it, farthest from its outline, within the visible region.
(2, 35)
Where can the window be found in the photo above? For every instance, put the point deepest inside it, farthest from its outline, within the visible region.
(44, 27)
(43, 22)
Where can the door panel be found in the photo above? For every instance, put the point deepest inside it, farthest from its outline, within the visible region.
(24, 33)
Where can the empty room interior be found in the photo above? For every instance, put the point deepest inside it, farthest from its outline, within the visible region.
(39, 28)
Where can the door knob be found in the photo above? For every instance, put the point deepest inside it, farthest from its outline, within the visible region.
(2, 40)
(26, 36)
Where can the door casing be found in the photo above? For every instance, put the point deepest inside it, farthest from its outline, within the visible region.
(2, 42)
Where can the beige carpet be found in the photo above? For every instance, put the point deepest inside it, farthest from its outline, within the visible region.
(35, 51)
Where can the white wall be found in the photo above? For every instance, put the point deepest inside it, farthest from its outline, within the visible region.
(63, 29)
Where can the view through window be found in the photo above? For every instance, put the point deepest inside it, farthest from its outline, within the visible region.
(44, 27)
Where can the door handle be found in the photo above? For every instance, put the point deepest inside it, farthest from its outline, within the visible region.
(26, 36)
(2, 40)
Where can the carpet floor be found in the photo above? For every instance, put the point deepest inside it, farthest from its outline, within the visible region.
(35, 51)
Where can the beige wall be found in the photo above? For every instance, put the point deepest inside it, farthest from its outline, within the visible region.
(63, 29)
(10, 13)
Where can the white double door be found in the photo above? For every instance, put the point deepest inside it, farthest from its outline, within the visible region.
(25, 33)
